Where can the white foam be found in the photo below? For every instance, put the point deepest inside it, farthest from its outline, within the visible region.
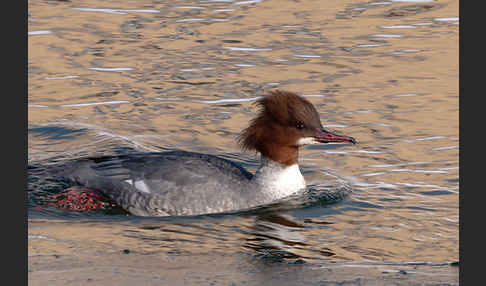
(423, 24)
(95, 103)
(111, 69)
(227, 100)
(379, 3)
(307, 56)
(419, 171)
(247, 49)
(451, 19)
(43, 32)
(334, 126)
(373, 174)
(224, 10)
(444, 148)
(247, 2)
(386, 36)
(38, 236)
(369, 45)
(376, 185)
(368, 152)
(337, 152)
(383, 124)
(62, 77)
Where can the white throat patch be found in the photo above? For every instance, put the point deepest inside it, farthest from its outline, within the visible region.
(278, 180)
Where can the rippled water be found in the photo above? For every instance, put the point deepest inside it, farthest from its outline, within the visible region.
(110, 77)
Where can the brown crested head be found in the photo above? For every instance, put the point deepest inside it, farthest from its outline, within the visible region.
(285, 122)
(278, 126)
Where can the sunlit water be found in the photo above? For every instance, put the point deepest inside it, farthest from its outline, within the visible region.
(108, 77)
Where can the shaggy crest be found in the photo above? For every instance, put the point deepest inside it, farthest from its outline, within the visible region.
(278, 109)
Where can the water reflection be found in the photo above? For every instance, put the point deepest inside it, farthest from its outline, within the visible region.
(276, 237)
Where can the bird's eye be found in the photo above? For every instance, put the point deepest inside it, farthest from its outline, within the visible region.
(300, 126)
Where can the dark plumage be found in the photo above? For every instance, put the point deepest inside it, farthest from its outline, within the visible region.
(174, 183)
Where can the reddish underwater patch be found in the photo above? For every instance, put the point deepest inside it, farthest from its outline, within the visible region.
(79, 199)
